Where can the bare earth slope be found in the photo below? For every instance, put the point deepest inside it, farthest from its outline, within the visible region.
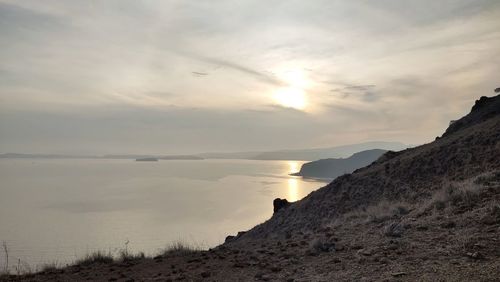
(430, 213)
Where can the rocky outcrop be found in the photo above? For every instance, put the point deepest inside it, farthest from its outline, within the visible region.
(232, 238)
(279, 204)
(484, 109)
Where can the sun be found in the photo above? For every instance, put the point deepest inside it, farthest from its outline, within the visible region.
(291, 97)
(293, 94)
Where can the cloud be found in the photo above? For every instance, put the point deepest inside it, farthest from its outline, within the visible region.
(220, 63)
(196, 73)
(126, 76)
(366, 92)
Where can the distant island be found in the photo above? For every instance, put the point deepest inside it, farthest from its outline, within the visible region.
(146, 160)
(332, 168)
(181, 157)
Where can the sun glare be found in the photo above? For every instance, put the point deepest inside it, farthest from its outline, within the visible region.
(291, 98)
(293, 183)
(293, 95)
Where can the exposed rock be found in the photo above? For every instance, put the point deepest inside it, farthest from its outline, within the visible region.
(475, 255)
(448, 224)
(398, 274)
(365, 252)
(279, 204)
(232, 238)
(484, 108)
(205, 274)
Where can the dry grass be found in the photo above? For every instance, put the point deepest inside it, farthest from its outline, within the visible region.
(177, 248)
(99, 257)
(5, 270)
(180, 248)
(378, 213)
(465, 194)
(126, 256)
(48, 267)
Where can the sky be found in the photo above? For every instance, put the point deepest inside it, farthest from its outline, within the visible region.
(175, 77)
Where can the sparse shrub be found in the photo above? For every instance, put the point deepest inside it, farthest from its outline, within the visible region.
(384, 211)
(23, 267)
(48, 267)
(180, 248)
(96, 257)
(126, 256)
(321, 245)
(495, 210)
(400, 210)
(378, 213)
(6, 254)
(489, 179)
(439, 205)
(467, 243)
(440, 198)
(466, 194)
(394, 229)
(378, 218)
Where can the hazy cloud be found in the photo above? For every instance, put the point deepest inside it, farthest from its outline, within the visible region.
(185, 76)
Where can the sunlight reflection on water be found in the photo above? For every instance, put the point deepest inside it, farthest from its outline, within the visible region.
(293, 183)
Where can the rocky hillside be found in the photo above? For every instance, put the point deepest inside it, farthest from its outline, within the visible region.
(332, 168)
(412, 175)
(430, 213)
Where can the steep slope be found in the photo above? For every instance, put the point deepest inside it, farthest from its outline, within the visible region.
(411, 175)
(331, 168)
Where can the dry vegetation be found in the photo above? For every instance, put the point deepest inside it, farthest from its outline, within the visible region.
(177, 248)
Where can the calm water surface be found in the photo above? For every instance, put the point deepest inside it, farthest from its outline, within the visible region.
(54, 211)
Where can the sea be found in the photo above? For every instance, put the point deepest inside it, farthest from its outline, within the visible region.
(55, 211)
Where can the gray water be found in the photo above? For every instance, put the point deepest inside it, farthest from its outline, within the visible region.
(55, 211)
